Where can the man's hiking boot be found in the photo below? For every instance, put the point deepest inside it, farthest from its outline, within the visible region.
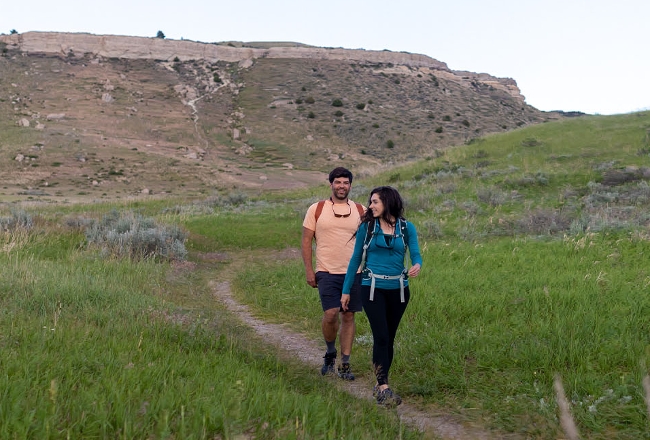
(344, 372)
(328, 364)
(388, 399)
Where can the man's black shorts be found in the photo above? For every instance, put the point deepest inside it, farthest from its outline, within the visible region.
(329, 288)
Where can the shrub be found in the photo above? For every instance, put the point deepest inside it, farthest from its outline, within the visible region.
(310, 100)
(128, 234)
(544, 221)
(431, 228)
(311, 115)
(438, 130)
(160, 34)
(217, 78)
(619, 177)
(446, 118)
(491, 196)
(530, 142)
(390, 143)
(361, 106)
(465, 122)
(337, 103)
(338, 113)
(480, 154)
(19, 220)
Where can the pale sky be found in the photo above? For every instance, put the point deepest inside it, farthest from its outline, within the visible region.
(572, 55)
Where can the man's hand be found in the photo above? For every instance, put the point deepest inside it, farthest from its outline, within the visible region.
(311, 278)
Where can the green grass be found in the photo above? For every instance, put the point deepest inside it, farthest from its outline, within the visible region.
(504, 303)
(532, 268)
(97, 348)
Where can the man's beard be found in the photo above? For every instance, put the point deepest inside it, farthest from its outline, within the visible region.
(338, 197)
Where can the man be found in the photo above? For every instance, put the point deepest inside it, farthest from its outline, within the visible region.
(332, 224)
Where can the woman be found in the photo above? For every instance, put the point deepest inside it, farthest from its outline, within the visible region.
(382, 239)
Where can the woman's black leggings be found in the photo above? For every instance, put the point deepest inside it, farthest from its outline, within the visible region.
(384, 314)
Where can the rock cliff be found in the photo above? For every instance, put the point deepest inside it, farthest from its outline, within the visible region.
(125, 47)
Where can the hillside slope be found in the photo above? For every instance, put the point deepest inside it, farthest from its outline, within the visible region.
(87, 117)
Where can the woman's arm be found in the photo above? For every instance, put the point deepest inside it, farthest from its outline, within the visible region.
(355, 260)
(414, 250)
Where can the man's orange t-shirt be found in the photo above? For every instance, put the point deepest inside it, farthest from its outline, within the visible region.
(334, 235)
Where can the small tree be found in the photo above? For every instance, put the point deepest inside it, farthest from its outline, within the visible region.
(337, 103)
(13, 31)
(160, 34)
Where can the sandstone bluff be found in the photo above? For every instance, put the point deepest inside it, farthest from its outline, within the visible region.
(126, 47)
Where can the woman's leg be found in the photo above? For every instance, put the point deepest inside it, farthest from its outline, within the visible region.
(394, 311)
(376, 313)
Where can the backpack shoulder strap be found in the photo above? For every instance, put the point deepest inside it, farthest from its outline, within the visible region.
(366, 242)
(405, 232)
(359, 208)
(319, 209)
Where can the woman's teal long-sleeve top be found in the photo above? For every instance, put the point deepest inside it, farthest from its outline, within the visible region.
(384, 256)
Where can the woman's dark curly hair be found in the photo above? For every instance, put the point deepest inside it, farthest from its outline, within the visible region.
(393, 204)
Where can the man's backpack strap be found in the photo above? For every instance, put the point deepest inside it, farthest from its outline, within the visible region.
(360, 209)
(319, 209)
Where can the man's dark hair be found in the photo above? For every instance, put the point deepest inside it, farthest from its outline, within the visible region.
(340, 172)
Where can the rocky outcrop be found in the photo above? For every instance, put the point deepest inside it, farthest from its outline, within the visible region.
(115, 46)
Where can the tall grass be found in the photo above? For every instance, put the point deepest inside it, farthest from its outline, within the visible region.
(117, 348)
(534, 245)
(532, 268)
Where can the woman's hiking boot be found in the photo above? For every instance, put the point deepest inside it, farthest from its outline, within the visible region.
(328, 364)
(388, 399)
(344, 372)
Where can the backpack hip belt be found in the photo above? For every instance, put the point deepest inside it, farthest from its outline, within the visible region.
(374, 277)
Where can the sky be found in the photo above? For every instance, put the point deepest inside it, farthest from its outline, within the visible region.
(572, 55)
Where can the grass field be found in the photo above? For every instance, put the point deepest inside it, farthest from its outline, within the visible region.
(535, 247)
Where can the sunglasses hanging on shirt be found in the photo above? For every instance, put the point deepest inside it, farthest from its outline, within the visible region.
(342, 215)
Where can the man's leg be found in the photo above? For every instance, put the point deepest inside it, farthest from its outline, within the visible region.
(330, 327)
(330, 324)
(348, 329)
(347, 337)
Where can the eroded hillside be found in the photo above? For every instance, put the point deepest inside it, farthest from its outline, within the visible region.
(170, 117)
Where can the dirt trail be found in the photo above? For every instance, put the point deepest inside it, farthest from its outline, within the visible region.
(438, 426)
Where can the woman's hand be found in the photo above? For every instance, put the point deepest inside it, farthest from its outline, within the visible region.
(414, 270)
(345, 300)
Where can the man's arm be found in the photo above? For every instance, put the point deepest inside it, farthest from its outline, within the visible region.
(307, 238)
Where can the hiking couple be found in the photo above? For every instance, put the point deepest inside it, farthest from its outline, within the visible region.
(349, 235)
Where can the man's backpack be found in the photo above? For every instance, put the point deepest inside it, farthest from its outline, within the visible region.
(319, 209)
